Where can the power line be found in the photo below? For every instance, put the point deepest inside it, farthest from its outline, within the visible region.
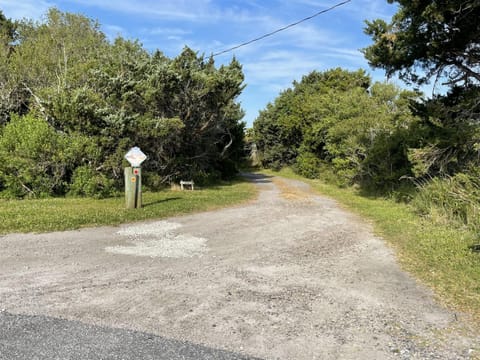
(281, 29)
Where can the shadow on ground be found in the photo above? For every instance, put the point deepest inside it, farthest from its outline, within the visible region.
(257, 178)
(151, 203)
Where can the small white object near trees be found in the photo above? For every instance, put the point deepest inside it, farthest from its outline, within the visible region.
(188, 183)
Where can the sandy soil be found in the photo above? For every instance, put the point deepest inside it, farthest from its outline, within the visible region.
(289, 276)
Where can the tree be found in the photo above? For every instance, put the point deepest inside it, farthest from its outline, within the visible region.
(8, 92)
(286, 126)
(337, 119)
(451, 133)
(183, 112)
(8, 31)
(436, 40)
(428, 39)
(51, 58)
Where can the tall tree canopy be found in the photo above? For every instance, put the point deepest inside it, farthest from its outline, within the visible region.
(103, 97)
(8, 30)
(338, 120)
(437, 40)
(428, 39)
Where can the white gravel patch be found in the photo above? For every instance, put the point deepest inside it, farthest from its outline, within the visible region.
(156, 228)
(159, 239)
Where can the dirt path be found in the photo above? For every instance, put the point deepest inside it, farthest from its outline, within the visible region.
(290, 276)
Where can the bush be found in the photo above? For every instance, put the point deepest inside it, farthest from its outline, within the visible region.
(346, 173)
(204, 178)
(152, 181)
(228, 169)
(307, 165)
(327, 174)
(32, 161)
(277, 156)
(88, 182)
(38, 161)
(455, 198)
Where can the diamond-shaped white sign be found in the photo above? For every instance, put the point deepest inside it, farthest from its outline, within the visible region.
(135, 156)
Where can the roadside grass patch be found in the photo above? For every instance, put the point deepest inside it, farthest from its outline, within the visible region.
(58, 214)
(437, 254)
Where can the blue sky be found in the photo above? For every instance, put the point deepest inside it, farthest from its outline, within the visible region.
(208, 26)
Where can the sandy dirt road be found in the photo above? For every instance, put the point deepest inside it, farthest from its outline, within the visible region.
(288, 276)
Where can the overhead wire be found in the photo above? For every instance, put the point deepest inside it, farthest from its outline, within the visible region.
(281, 29)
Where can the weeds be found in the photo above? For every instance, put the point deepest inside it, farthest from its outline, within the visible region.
(451, 200)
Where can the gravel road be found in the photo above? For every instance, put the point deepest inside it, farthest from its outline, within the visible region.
(288, 276)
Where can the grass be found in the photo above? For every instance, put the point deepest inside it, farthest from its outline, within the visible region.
(437, 254)
(56, 214)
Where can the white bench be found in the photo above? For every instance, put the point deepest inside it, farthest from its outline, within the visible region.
(189, 183)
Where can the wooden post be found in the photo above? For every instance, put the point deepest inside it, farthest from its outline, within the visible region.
(133, 188)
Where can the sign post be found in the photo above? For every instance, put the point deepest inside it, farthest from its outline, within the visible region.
(133, 178)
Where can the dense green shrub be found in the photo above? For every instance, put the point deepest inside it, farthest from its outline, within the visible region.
(152, 181)
(228, 169)
(35, 159)
(277, 156)
(455, 198)
(308, 165)
(88, 182)
(107, 97)
(203, 178)
(337, 118)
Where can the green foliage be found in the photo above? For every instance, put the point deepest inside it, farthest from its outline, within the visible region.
(307, 165)
(228, 169)
(36, 160)
(182, 112)
(436, 40)
(88, 182)
(451, 133)
(454, 199)
(52, 55)
(296, 121)
(426, 39)
(151, 181)
(337, 119)
(7, 29)
(8, 91)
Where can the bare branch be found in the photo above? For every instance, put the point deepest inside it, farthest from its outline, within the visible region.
(228, 145)
(38, 101)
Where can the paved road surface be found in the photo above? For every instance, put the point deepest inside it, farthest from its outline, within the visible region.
(42, 337)
(289, 276)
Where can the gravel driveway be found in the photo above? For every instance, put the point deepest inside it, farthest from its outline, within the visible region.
(289, 276)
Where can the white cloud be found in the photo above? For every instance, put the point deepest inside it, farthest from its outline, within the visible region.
(279, 68)
(178, 9)
(373, 9)
(198, 11)
(166, 31)
(174, 38)
(353, 57)
(311, 37)
(360, 9)
(30, 9)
